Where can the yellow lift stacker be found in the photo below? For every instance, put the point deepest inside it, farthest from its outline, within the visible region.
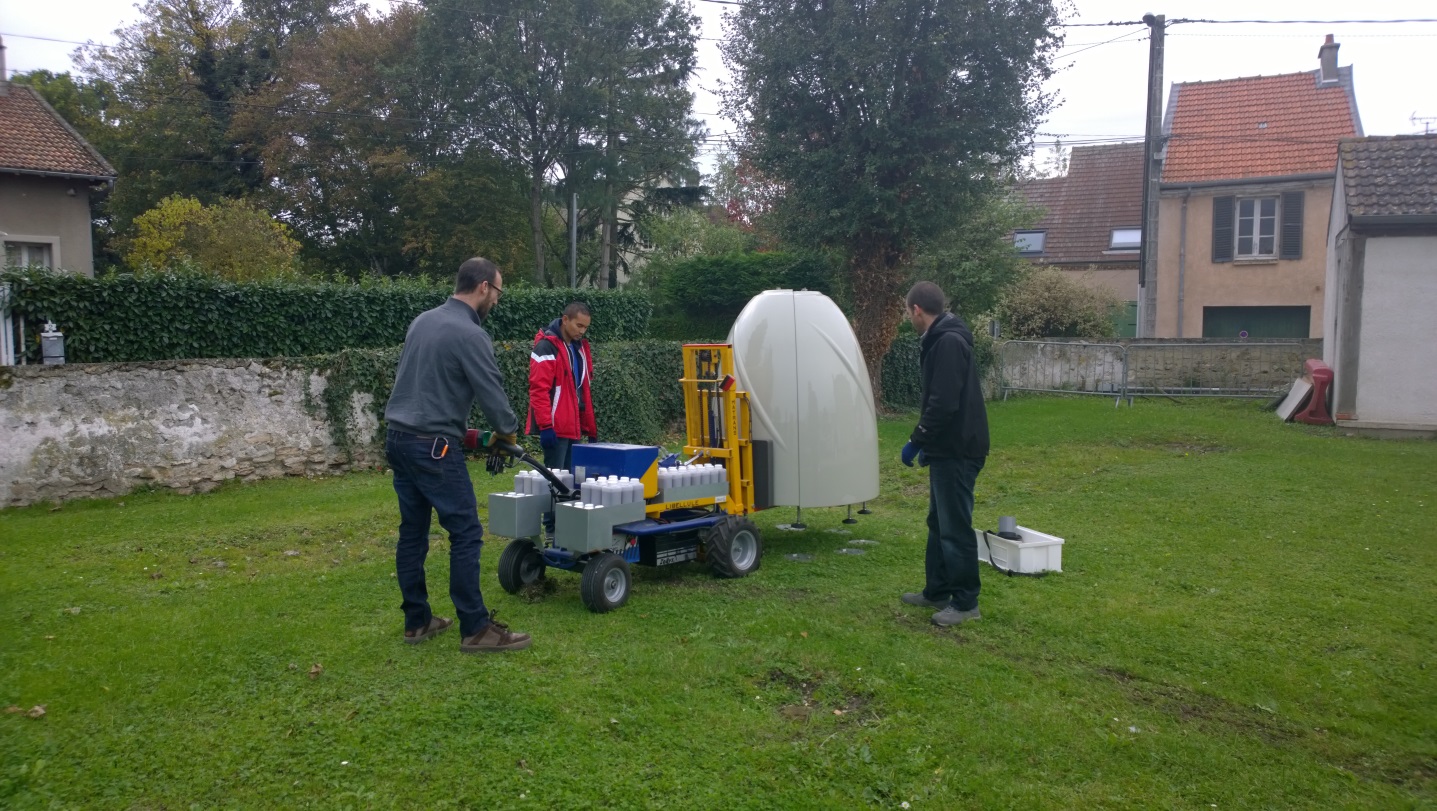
(634, 505)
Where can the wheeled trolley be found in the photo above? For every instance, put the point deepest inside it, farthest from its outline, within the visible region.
(624, 505)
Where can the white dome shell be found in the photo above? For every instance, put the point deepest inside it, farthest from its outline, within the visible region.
(810, 397)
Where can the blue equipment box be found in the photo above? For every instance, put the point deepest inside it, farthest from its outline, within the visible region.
(614, 459)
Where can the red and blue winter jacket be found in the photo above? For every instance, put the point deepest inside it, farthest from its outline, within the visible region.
(556, 399)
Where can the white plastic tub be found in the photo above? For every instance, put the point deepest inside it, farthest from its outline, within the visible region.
(1036, 552)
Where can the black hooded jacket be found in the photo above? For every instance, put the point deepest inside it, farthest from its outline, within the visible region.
(954, 421)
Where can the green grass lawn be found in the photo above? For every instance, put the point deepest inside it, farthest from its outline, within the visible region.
(1245, 620)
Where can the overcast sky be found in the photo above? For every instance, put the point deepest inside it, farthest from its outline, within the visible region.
(1101, 87)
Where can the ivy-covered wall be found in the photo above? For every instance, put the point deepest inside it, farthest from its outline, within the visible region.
(637, 397)
(636, 392)
(125, 318)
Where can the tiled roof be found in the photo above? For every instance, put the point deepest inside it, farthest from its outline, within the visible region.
(1103, 190)
(1394, 176)
(1261, 126)
(35, 139)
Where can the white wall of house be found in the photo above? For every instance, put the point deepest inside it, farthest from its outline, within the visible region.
(1397, 373)
(1337, 289)
(42, 210)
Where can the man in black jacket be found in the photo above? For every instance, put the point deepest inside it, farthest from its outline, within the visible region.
(952, 440)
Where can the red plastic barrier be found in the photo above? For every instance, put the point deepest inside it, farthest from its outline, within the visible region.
(1315, 411)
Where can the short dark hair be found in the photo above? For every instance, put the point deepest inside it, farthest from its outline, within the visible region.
(473, 273)
(576, 308)
(928, 296)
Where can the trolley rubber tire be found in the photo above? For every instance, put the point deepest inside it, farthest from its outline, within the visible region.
(520, 564)
(733, 548)
(606, 583)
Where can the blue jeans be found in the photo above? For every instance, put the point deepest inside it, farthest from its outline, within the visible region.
(424, 484)
(561, 455)
(952, 559)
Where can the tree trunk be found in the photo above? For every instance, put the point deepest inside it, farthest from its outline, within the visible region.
(876, 270)
(606, 225)
(536, 222)
(604, 256)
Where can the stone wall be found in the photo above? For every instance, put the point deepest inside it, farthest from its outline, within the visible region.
(83, 430)
(1176, 366)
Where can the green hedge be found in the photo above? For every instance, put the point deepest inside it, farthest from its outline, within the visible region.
(124, 317)
(699, 298)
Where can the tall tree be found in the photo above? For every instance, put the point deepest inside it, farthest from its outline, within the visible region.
(357, 174)
(179, 75)
(551, 83)
(884, 121)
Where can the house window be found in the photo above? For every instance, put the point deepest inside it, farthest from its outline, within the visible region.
(25, 254)
(1256, 227)
(1029, 242)
(1264, 228)
(1126, 239)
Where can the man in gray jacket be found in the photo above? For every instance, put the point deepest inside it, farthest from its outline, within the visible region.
(446, 365)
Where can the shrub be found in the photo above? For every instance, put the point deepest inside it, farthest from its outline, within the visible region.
(699, 298)
(1049, 303)
(233, 240)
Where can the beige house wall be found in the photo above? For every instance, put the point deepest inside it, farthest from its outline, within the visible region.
(1276, 282)
(41, 209)
(1121, 282)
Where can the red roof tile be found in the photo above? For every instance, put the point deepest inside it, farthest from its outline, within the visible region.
(1103, 190)
(1261, 126)
(35, 139)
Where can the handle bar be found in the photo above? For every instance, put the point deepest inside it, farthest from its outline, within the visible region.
(523, 456)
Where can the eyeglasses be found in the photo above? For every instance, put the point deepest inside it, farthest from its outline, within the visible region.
(496, 288)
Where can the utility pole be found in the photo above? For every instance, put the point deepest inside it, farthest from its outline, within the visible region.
(1152, 177)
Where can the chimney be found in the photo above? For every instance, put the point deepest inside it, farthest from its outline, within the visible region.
(1327, 58)
(4, 75)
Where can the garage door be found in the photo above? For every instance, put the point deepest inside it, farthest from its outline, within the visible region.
(1256, 322)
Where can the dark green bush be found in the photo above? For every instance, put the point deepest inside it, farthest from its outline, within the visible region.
(174, 316)
(699, 298)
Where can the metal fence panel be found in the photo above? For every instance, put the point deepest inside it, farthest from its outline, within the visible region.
(1166, 368)
(1069, 367)
(1214, 369)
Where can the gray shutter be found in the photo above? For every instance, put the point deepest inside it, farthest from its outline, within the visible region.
(1291, 231)
(1222, 216)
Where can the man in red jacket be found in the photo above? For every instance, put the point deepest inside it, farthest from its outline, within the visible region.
(561, 409)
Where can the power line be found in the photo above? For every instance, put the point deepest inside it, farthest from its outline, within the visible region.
(1066, 54)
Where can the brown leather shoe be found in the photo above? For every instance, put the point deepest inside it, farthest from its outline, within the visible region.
(495, 637)
(436, 626)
